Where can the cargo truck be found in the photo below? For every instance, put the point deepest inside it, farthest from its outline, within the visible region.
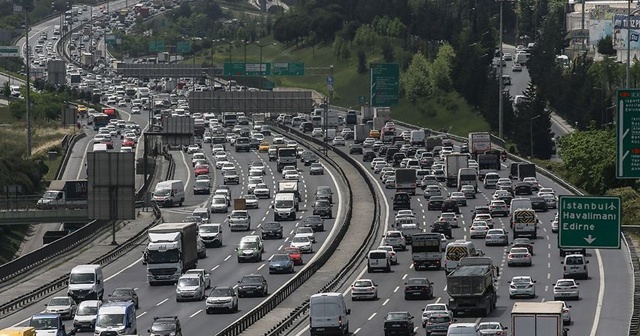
(426, 250)
(406, 181)
(382, 112)
(471, 286)
(352, 117)
(172, 250)
(479, 143)
(332, 119)
(452, 164)
(524, 222)
(366, 114)
(378, 124)
(198, 126)
(418, 137)
(488, 162)
(291, 187)
(526, 170)
(287, 156)
(64, 195)
(433, 142)
(537, 319)
(360, 132)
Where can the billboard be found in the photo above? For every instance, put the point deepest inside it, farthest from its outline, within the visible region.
(601, 20)
(111, 184)
(620, 25)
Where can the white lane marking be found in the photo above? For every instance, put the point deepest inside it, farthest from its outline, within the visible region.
(141, 314)
(196, 313)
(261, 266)
(227, 258)
(396, 289)
(355, 332)
(184, 160)
(124, 269)
(161, 302)
(385, 302)
(372, 316)
(213, 269)
(596, 320)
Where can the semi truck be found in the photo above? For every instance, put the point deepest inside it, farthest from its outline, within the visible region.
(452, 164)
(406, 180)
(198, 126)
(360, 132)
(351, 118)
(64, 195)
(471, 286)
(524, 222)
(172, 250)
(526, 170)
(426, 250)
(537, 319)
(479, 142)
(378, 123)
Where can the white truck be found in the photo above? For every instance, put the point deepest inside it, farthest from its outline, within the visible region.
(360, 132)
(426, 250)
(172, 250)
(366, 114)
(406, 180)
(418, 138)
(537, 319)
(332, 119)
(64, 195)
(453, 163)
(378, 123)
(382, 112)
(479, 142)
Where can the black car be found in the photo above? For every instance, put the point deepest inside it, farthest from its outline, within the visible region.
(253, 285)
(418, 288)
(522, 188)
(254, 144)
(538, 203)
(397, 158)
(355, 149)
(506, 198)
(315, 222)
(401, 201)
(435, 203)
(306, 127)
(368, 156)
(398, 323)
(124, 295)
(323, 208)
(308, 158)
(450, 205)
(324, 192)
(165, 326)
(442, 227)
(271, 230)
(482, 209)
(201, 187)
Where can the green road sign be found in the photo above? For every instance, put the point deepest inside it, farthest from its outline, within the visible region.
(249, 69)
(628, 134)
(288, 69)
(385, 84)
(156, 46)
(183, 47)
(589, 222)
(9, 51)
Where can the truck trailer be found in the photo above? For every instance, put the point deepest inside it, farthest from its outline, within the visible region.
(479, 142)
(537, 319)
(172, 250)
(471, 286)
(452, 164)
(406, 180)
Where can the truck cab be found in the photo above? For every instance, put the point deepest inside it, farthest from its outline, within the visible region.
(48, 325)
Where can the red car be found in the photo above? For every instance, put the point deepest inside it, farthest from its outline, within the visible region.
(108, 143)
(128, 143)
(201, 169)
(295, 255)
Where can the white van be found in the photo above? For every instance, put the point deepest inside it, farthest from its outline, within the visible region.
(284, 207)
(100, 147)
(378, 259)
(169, 193)
(519, 203)
(118, 317)
(86, 282)
(328, 314)
(457, 250)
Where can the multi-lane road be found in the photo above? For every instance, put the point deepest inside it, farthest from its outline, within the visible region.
(603, 308)
(128, 271)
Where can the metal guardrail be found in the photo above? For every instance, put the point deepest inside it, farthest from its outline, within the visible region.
(294, 283)
(351, 266)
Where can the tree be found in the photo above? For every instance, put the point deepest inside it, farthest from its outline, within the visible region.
(387, 51)
(415, 80)
(362, 61)
(6, 90)
(605, 46)
(531, 117)
(441, 69)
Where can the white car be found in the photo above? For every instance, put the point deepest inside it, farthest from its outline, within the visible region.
(63, 305)
(251, 201)
(306, 231)
(258, 165)
(203, 273)
(317, 132)
(533, 182)
(292, 176)
(434, 308)
(261, 190)
(338, 141)
(566, 289)
(393, 257)
(135, 110)
(253, 182)
(450, 217)
(228, 167)
(566, 312)
(303, 243)
(546, 191)
(364, 289)
(86, 314)
(376, 161)
(522, 286)
(550, 200)
(485, 218)
(479, 229)
(194, 149)
(278, 140)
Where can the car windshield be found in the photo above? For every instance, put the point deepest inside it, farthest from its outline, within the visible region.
(239, 215)
(87, 310)
(322, 203)
(565, 283)
(209, 229)
(251, 280)
(202, 183)
(219, 200)
(300, 239)
(188, 282)
(121, 292)
(362, 283)
(163, 326)
(248, 245)
(59, 302)
(81, 278)
(280, 257)
(110, 320)
(44, 323)
(217, 292)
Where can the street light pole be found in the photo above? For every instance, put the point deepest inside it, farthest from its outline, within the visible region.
(531, 132)
(262, 70)
(500, 85)
(628, 43)
(245, 63)
(28, 65)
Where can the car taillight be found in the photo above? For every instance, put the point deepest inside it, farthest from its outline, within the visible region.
(574, 287)
(510, 256)
(500, 333)
(340, 320)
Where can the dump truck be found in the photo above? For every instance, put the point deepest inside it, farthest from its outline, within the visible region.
(471, 286)
(289, 187)
(452, 164)
(479, 142)
(406, 181)
(537, 319)
(64, 195)
(172, 250)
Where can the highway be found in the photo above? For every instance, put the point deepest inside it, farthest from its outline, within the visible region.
(603, 308)
(128, 271)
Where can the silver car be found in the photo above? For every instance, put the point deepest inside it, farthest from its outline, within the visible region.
(522, 286)
(63, 305)
(566, 312)
(190, 287)
(469, 191)
(316, 168)
(496, 237)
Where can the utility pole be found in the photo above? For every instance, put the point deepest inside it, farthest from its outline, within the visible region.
(28, 65)
(628, 81)
(500, 84)
(325, 124)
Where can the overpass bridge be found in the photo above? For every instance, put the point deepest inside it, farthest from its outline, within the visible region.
(34, 216)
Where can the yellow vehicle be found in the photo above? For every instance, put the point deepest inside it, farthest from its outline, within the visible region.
(264, 147)
(18, 331)
(374, 134)
(81, 109)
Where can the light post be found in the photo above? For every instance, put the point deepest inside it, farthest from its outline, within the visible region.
(245, 63)
(230, 46)
(262, 71)
(531, 132)
(500, 84)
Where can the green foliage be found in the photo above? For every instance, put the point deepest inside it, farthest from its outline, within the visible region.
(441, 68)
(531, 117)
(362, 61)
(605, 46)
(630, 204)
(415, 80)
(366, 38)
(387, 51)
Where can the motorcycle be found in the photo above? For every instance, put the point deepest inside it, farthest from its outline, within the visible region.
(504, 158)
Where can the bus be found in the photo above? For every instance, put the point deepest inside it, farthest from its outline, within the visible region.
(99, 120)
(426, 250)
(111, 113)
